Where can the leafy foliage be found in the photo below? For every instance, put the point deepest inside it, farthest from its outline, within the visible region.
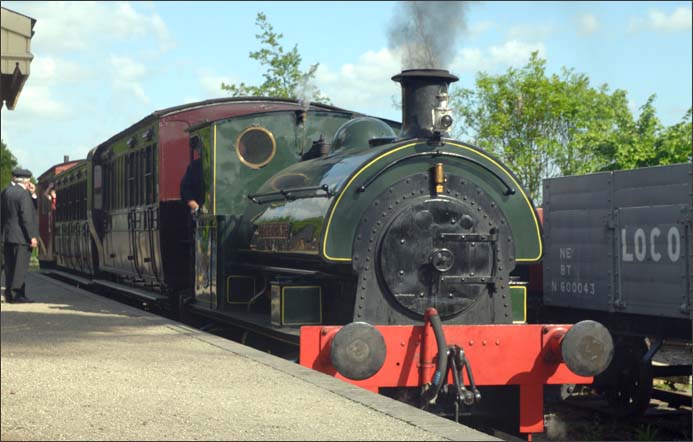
(283, 77)
(543, 126)
(7, 163)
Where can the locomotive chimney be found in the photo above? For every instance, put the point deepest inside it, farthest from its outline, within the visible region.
(424, 102)
(66, 158)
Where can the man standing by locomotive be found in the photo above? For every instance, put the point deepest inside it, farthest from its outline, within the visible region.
(192, 194)
(19, 229)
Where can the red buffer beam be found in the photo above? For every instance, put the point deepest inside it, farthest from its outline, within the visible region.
(529, 356)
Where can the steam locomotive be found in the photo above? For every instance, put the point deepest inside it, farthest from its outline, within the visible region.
(390, 254)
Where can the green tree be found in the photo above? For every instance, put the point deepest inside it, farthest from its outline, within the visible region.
(7, 163)
(543, 126)
(283, 77)
(646, 142)
(675, 143)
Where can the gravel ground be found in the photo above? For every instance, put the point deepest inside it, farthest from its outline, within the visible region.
(76, 366)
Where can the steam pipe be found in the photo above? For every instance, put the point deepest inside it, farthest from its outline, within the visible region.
(431, 315)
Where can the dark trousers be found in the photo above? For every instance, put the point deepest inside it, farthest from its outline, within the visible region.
(17, 258)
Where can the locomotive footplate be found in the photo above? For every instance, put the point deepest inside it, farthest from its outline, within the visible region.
(529, 356)
(258, 323)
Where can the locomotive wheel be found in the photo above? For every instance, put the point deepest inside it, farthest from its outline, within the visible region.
(629, 382)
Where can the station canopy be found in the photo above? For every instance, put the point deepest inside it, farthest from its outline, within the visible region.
(17, 30)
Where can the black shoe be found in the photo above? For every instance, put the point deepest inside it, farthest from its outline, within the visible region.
(22, 300)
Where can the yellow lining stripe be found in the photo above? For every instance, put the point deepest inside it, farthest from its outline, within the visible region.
(524, 308)
(339, 198)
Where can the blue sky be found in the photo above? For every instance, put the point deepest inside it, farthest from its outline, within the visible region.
(101, 66)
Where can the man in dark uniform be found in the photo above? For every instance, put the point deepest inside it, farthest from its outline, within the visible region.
(19, 229)
(191, 186)
(192, 194)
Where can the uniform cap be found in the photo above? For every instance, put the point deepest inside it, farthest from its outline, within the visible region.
(21, 173)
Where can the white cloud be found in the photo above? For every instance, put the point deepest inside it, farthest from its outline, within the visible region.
(511, 53)
(48, 74)
(587, 24)
(38, 101)
(479, 28)
(126, 73)
(67, 33)
(127, 68)
(679, 20)
(51, 71)
(365, 85)
(74, 26)
(211, 82)
(534, 32)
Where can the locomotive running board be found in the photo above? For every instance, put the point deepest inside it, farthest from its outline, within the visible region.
(123, 289)
(258, 323)
(80, 281)
(142, 294)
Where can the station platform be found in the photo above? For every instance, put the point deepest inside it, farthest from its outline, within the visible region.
(78, 366)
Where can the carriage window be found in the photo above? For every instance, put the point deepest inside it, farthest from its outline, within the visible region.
(73, 202)
(68, 209)
(140, 177)
(255, 147)
(78, 200)
(131, 166)
(149, 175)
(97, 179)
(107, 187)
(120, 187)
(84, 199)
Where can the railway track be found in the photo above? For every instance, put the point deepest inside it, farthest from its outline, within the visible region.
(587, 416)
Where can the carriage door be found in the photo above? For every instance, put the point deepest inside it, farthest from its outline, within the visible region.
(142, 253)
(152, 212)
(84, 238)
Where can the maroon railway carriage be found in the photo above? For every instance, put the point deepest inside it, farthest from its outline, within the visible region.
(46, 211)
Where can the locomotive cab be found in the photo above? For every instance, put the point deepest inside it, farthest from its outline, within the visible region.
(246, 167)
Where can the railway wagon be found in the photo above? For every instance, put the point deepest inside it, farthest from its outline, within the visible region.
(618, 250)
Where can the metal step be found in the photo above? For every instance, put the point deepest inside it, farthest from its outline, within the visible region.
(81, 281)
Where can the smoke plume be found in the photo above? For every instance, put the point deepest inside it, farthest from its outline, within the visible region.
(427, 32)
